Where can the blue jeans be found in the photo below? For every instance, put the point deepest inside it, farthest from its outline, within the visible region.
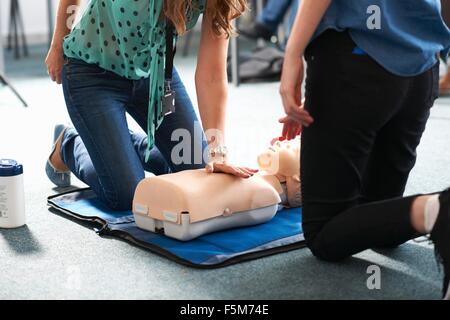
(101, 151)
(275, 10)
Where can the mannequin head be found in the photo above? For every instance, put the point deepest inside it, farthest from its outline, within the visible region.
(282, 158)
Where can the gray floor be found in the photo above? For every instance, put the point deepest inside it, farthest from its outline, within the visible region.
(54, 258)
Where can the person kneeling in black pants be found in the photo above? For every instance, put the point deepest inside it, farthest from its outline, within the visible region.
(369, 90)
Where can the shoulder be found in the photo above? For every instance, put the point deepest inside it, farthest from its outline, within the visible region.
(198, 8)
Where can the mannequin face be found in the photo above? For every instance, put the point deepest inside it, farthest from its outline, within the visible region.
(282, 158)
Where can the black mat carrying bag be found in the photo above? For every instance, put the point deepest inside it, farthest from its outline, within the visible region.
(262, 65)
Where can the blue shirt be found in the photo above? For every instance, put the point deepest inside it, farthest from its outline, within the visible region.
(411, 33)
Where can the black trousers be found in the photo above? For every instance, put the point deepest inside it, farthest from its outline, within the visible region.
(357, 156)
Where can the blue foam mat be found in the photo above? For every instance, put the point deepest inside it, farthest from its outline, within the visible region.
(283, 233)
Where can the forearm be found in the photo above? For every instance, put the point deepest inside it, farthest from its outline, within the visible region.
(63, 18)
(211, 82)
(212, 94)
(309, 15)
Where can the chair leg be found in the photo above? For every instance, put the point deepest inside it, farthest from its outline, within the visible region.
(16, 32)
(5, 82)
(11, 24)
(21, 26)
(187, 43)
(234, 47)
(50, 21)
(16, 26)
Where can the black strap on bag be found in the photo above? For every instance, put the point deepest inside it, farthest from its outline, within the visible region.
(168, 99)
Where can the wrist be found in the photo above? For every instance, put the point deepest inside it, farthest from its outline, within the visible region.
(293, 62)
(293, 54)
(58, 41)
(215, 137)
(212, 143)
(217, 154)
(56, 46)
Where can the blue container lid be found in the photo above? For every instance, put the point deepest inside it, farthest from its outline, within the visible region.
(10, 168)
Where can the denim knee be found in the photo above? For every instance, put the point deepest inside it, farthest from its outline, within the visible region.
(121, 198)
(119, 202)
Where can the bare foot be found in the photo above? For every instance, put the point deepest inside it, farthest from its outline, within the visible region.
(444, 85)
(418, 213)
(55, 158)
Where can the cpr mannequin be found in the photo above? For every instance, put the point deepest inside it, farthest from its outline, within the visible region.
(191, 203)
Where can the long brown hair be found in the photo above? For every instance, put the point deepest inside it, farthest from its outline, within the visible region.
(221, 13)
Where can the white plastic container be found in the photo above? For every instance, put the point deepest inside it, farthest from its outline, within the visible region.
(12, 194)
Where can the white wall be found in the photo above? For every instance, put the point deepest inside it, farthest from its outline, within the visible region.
(34, 13)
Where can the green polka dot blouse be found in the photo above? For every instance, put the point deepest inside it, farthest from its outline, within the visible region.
(127, 37)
